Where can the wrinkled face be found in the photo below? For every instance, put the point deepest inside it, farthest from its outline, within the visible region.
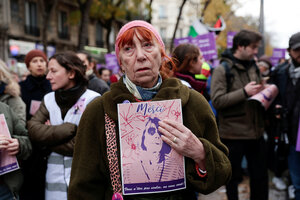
(59, 77)
(105, 75)
(141, 61)
(196, 66)
(248, 52)
(153, 141)
(295, 54)
(37, 66)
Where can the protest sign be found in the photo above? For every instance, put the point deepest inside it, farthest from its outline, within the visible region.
(112, 63)
(230, 36)
(7, 163)
(148, 164)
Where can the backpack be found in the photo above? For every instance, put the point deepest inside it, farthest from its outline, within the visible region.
(229, 76)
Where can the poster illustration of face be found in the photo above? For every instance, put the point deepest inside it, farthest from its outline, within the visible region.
(148, 164)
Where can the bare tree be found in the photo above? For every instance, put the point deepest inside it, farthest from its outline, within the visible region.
(84, 22)
(177, 22)
(206, 3)
(150, 11)
(47, 8)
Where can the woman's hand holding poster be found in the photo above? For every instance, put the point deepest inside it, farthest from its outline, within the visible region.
(148, 164)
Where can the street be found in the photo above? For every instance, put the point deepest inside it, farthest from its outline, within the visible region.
(244, 193)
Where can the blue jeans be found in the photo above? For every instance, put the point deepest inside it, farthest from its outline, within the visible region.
(294, 164)
(5, 193)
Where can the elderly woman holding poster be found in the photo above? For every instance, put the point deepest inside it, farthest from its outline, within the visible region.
(98, 165)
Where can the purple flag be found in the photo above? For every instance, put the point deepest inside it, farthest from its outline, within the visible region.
(112, 63)
(298, 139)
(230, 35)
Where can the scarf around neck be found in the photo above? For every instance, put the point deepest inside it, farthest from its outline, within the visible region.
(294, 73)
(140, 93)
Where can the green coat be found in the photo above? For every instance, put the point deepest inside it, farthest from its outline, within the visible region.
(90, 176)
(18, 131)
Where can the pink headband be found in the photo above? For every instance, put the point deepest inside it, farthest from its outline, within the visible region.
(132, 24)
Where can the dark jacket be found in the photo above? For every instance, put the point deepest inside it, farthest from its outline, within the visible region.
(18, 131)
(237, 118)
(90, 177)
(288, 98)
(96, 84)
(34, 88)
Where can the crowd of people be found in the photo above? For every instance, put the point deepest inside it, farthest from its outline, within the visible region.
(63, 120)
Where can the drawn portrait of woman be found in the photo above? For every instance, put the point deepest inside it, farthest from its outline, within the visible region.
(155, 151)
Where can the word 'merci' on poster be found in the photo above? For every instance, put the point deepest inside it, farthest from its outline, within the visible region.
(7, 163)
(148, 164)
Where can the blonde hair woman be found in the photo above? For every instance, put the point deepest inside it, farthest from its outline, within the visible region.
(10, 92)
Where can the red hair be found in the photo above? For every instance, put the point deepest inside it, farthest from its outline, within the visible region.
(126, 38)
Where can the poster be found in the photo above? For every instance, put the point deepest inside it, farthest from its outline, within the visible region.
(230, 36)
(207, 45)
(7, 163)
(34, 106)
(266, 96)
(149, 165)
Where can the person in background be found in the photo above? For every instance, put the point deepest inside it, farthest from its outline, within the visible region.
(95, 84)
(10, 92)
(17, 145)
(189, 59)
(55, 123)
(241, 126)
(275, 162)
(105, 74)
(286, 76)
(36, 85)
(33, 89)
(141, 54)
(264, 64)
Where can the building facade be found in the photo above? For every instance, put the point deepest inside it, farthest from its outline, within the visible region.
(164, 17)
(21, 25)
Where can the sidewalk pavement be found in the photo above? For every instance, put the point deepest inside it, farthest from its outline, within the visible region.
(244, 193)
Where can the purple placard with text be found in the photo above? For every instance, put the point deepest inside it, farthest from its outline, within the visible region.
(298, 139)
(277, 54)
(112, 63)
(148, 164)
(178, 41)
(207, 45)
(230, 35)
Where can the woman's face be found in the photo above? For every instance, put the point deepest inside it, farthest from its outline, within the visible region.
(37, 66)
(196, 66)
(59, 77)
(153, 141)
(141, 61)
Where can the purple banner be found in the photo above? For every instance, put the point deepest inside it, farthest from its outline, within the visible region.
(154, 187)
(207, 45)
(277, 55)
(179, 41)
(298, 139)
(215, 63)
(230, 35)
(112, 63)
